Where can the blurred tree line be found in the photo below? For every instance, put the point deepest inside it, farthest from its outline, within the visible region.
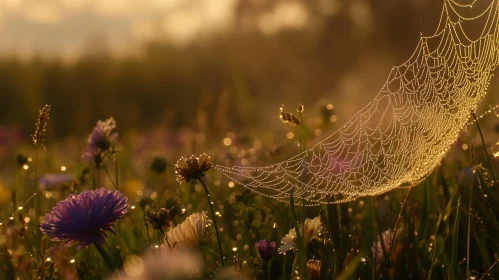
(228, 81)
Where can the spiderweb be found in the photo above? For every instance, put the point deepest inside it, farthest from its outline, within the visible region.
(403, 134)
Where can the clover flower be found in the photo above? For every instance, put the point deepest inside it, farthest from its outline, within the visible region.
(313, 229)
(192, 232)
(192, 168)
(265, 249)
(85, 218)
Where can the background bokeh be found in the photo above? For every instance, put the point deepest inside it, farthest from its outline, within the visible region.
(183, 77)
(200, 64)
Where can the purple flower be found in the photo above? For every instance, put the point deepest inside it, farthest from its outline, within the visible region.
(85, 218)
(100, 140)
(265, 249)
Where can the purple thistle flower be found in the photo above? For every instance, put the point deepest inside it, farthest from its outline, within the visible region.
(85, 218)
(100, 140)
(265, 249)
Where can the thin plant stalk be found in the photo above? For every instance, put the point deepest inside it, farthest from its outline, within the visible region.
(159, 237)
(469, 219)
(214, 221)
(94, 178)
(469, 229)
(301, 141)
(116, 186)
(37, 210)
(116, 169)
(146, 226)
(490, 268)
(451, 270)
(243, 235)
(105, 256)
(166, 239)
(268, 269)
(397, 223)
(485, 149)
(302, 254)
(302, 259)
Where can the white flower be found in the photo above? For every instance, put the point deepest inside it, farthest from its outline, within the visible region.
(313, 229)
(192, 232)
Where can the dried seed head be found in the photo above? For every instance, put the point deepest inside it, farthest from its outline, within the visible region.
(300, 108)
(40, 134)
(192, 168)
(288, 117)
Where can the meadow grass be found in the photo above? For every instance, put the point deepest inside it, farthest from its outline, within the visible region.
(446, 227)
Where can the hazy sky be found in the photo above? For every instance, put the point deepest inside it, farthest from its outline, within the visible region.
(64, 27)
(67, 27)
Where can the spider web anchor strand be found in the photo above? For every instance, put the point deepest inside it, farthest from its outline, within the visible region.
(404, 133)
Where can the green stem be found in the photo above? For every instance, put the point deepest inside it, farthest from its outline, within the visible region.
(166, 239)
(488, 270)
(117, 171)
(397, 224)
(110, 178)
(159, 237)
(145, 225)
(302, 259)
(469, 229)
(94, 178)
(214, 221)
(268, 269)
(116, 186)
(243, 234)
(302, 149)
(485, 149)
(104, 255)
(302, 253)
(37, 210)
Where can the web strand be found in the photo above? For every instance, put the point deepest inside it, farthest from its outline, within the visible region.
(404, 133)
